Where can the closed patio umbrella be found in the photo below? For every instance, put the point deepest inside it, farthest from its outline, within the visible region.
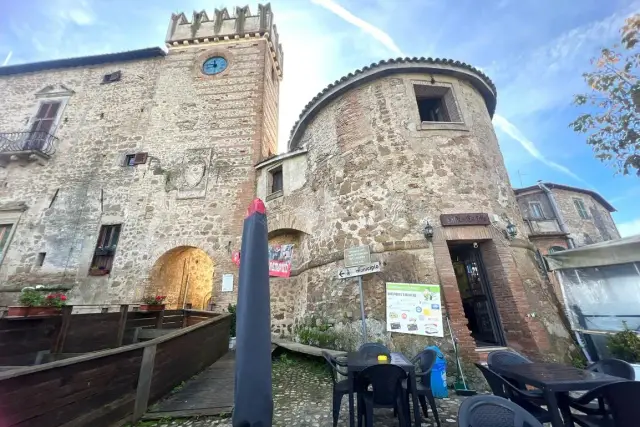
(253, 400)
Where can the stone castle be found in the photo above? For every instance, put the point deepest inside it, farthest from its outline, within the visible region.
(128, 174)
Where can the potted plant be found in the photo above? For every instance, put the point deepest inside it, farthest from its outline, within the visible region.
(625, 345)
(153, 303)
(35, 303)
(232, 330)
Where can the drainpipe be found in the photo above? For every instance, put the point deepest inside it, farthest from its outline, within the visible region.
(557, 213)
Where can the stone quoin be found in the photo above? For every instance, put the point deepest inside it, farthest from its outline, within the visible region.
(129, 174)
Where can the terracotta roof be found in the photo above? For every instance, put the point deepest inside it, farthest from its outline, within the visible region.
(412, 65)
(591, 193)
(83, 61)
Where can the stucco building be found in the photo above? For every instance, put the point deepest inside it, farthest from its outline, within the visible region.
(129, 173)
(559, 216)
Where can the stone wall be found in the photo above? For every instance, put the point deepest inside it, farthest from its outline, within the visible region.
(203, 135)
(373, 175)
(598, 227)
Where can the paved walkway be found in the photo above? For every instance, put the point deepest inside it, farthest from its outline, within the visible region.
(302, 397)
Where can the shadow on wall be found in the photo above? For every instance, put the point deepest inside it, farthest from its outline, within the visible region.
(185, 275)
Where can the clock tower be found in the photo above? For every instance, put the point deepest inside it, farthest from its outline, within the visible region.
(234, 64)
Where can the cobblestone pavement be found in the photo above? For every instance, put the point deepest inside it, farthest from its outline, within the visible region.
(302, 397)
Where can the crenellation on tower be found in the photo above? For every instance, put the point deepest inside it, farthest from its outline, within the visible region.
(241, 25)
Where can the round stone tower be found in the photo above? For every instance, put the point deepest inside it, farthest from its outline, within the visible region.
(373, 159)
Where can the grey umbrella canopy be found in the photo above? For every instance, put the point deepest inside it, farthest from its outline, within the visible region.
(253, 401)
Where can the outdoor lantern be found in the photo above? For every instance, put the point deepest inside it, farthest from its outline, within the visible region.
(428, 231)
(512, 231)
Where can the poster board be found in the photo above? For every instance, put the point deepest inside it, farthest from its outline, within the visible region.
(414, 309)
(280, 260)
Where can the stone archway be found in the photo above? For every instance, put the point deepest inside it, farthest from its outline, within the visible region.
(185, 275)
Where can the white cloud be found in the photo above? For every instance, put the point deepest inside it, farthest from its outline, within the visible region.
(374, 31)
(81, 16)
(7, 58)
(629, 228)
(511, 130)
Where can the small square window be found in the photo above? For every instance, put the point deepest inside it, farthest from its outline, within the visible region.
(135, 159)
(40, 259)
(436, 104)
(129, 160)
(582, 210)
(111, 77)
(276, 180)
(536, 210)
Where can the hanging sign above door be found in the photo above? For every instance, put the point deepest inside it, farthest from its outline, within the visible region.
(448, 220)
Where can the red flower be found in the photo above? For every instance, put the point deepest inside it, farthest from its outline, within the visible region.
(50, 296)
(63, 297)
(158, 298)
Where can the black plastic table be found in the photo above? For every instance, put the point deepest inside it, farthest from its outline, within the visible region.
(357, 362)
(554, 378)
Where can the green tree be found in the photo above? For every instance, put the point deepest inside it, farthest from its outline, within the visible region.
(613, 128)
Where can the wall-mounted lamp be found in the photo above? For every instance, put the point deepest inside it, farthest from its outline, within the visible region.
(512, 231)
(428, 231)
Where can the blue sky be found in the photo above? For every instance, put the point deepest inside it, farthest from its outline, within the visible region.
(534, 50)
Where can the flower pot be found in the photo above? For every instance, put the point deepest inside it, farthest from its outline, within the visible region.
(26, 311)
(98, 272)
(151, 307)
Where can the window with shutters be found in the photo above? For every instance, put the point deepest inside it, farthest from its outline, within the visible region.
(43, 125)
(112, 77)
(536, 210)
(135, 159)
(582, 210)
(5, 231)
(105, 250)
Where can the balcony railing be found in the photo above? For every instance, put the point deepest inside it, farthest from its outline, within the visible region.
(542, 226)
(28, 143)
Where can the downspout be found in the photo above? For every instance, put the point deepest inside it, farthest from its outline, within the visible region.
(558, 214)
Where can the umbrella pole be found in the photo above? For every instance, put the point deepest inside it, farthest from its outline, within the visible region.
(364, 323)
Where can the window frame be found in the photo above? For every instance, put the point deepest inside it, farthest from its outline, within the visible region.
(105, 250)
(533, 211)
(581, 208)
(10, 218)
(276, 169)
(42, 98)
(452, 106)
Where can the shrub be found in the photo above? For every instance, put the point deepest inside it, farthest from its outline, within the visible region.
(31, 298)
(625, 345)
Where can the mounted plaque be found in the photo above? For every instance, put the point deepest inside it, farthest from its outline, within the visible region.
(448, 220)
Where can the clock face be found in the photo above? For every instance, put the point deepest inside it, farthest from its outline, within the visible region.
(214, 65)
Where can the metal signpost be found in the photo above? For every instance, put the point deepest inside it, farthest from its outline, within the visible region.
(357, 261)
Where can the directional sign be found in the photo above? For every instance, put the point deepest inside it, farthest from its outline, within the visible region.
(357, 255)
(360, 270)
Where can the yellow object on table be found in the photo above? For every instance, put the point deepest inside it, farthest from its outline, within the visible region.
(383, 358)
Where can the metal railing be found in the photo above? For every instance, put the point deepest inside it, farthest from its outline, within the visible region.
(15, 142)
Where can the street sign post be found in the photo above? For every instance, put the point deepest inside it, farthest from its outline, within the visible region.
(357, 262)
(360, 270)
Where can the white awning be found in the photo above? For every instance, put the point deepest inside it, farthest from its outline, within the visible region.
(619, 251)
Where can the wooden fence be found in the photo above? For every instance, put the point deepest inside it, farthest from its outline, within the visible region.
(114, 386)
(22, 339)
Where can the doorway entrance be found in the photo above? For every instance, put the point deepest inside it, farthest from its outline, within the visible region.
(477, 297)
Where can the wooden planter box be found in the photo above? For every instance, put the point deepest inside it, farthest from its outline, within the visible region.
(151, 307)
(98, 272)
(26, 311)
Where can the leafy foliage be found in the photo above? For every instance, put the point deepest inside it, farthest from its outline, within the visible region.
(318, 334)
(614, 129)
(35, 298)
(625, 345)
(154, 300)
(232, 310)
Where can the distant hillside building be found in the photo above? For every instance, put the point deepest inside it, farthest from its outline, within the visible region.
(130, 174)
(560, 216)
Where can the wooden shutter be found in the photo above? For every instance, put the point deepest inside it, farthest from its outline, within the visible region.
(46, 117)
(140, 158)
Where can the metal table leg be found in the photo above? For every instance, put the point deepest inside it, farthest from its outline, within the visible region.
(350, 380)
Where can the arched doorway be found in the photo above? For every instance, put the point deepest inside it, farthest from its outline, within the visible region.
(185, 275)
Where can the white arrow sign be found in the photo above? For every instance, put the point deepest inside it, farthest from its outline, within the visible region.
(360, 270)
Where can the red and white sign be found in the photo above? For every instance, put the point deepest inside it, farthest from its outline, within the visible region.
(279, 260)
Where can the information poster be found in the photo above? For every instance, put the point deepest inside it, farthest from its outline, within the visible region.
(414, 309)
(280, 260)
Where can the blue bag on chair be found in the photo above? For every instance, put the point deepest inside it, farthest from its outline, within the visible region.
(439, 374)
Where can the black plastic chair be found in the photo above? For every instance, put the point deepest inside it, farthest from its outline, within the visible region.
(425, 360)
(494, 411)
(622, 408)
(614, 367)
(340, 387)
(508, 358)
(530, 401)
(383, 389)
(374, 349)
